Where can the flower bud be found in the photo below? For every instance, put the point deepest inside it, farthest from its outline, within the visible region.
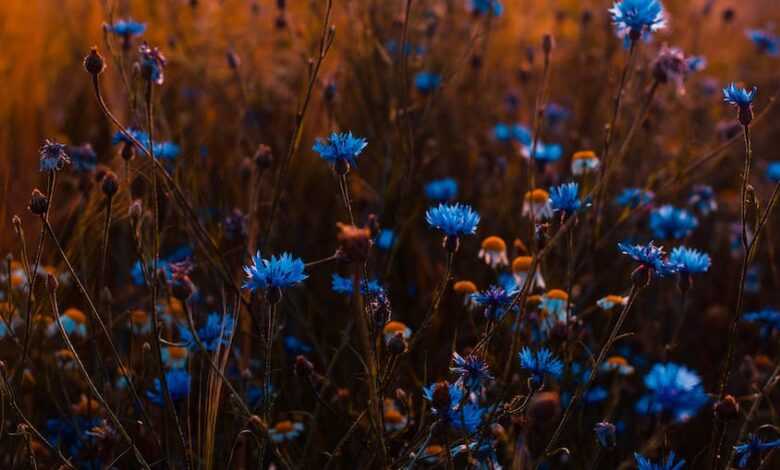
(727, 409)
(110, 184)
(94, 62)
(39, 203)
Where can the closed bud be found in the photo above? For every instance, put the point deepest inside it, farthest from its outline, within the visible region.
(39, 203)
(264, 157)
(303, 367)
(110, 184)
(727, 409)
(94, 62)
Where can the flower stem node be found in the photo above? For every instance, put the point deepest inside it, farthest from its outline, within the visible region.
(451, 243)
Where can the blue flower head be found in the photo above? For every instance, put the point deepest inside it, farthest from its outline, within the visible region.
(453, 219)
(703, 199)
(83, 158)
(215, 333)
(127, 28)
(696, 63)
(294, 346)
(564, 198)
(343, 148)
(643, 463)
(649, 257)
(634, 197)
(737, 96)
(544, 153)
(442, 190)
(495, 300)
(690, 261)
(484, 7)
(502, 132)
(472, 371)
(343, 285)
(522, 134)
(453, 405)
(53, 156)
(768, 318)
(556, 114)
(178, 381)
(773, 172)
(636, 18)
(674, 390)
(766, 42)
(385, 239)
(152, 64)
(669, 222)
(753, 446)
(427, 82)
(278, 272)
(540, 364)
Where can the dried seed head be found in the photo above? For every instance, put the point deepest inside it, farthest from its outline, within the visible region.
(39, 203)
(94, 62)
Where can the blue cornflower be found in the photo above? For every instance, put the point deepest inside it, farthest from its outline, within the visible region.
(649, 257)
(742, 99)
(635, 18)
(451, 403)
(634, 197)
(427, 82)
(127, 28)
(564, 198)
(166, 150)
(343, 285)
(385, 239)
(669, 222)
(215, 333)
(765, 41)
(83, 158)
(502, 132)
(278, 272)
(690, 261)
(472, 371)
(495, 300)
(294, 346)
(605, 434)
(152, 64)
(484, 7)
(773, 172)
(180, 254)
(645, 464)
(544, 153)
(696, 63)
(442, 190)
(141, 136)
(753, 446)
(768, 318)
(556, 114)
(53, 156)
(178, 381)
(703, 199)
(453, 219)
(522, 134)
(540, 364)
(673, 389)
(340, 149)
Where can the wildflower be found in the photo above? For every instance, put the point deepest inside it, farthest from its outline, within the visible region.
(427, 82)
(472, 371)
(773, 172)
(485, 7)
(752, 447)
(584, 161)
(645, 464)
(126, 29)
(650, 258)
(522, 134)
(393, 418)
(493, 251)
(520, 267)
(669, 222)
(703, 199)
(178, 381)
(611, 301)
(544, 153)
(537, 204)
(742, 99)
(53, 156)
(442, 190)
(502, 132)
(690, 261)
(174, 357)
(466, 288)
(393, 328)
(768, 318)
(635, 18)
(670, 66)
(564, 198)
(766, 42)
(554, 303)
(385, 239)
(215, 333)
(556, 114)
(343, 285)
(277, 273)
(634, 197)
(450, 403)
(340, 150)
(83, 158)
(619, 364)
(696, 63)
(285, 430)
(152, 64)
(495, 301)
(455, 220)
(74, 322)
(140, 322)
(673, 389)
(540, 364)
(605, 434)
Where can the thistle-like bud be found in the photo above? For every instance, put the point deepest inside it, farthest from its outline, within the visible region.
(727, 408)
(93, 62)
(110, 184)
(39, 203)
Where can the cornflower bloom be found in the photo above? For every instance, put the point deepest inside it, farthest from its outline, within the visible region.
(285, 430)
(53, 156)
(773, 172)
(634, 19)
(178, 381)
(634, 197)
(583, 162)
(669, 222)
(485, 7)
(126, 29)
(540, 364)
(427, 82)
(274, 274)
(565, 199)
(689, 261)
(537, 202)
(753, 447)
(544, 154)
(703, 199)
(674, 390)
(495, 301)
(454, 220)
(768, 318)
(152, 64)
(442, 190)
(215, 333)
(742, 99)
(385, 239)
(472, 371)
(645, 464)
(493, 252)
(451, 404)
(766, 42)
(651, 258)
(520, 267)
(343, 285)
(340, 150)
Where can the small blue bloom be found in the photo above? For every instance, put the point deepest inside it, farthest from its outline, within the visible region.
(294, 346)
(773, 172)
(278, 272)
(427, 82)
(127, 28)
(385, 239)
(340, 148)
(454, 406)
(544, 153)
(645, 464)
(484, 7)
(141, 136)
(215, 333)
(442, 190)
(502, 132)
(453, 219)
(152, 64)
(765, 41)
(752, 447)
(83, 158)
(178, 381)
(690, 261)
(637, 17)
(768, 318)
(696, 63)
(472, 371)
(669, 222)
(703, 199)
(166, 150)
(540, 364)
(495, 300)
(737, 96)
(556, 114)
(672, 389)
(343, 285)
(564, 198)
(53, 156)
(522, 134)
(634, 197)
(173, 358)
(650, 257)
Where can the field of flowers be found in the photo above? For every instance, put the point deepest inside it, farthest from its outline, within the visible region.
(390, 234)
